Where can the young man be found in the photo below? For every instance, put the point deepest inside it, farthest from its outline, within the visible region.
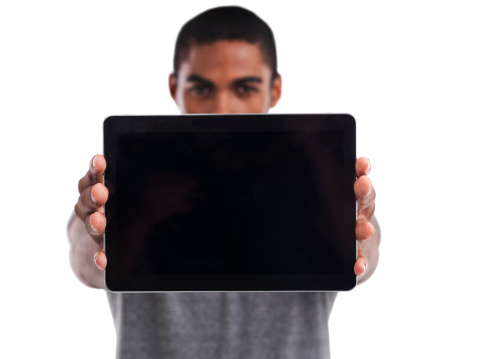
(224, 62)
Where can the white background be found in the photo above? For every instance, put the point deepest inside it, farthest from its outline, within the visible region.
(407, 72)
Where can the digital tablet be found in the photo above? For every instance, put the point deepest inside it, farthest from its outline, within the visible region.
(236, 202)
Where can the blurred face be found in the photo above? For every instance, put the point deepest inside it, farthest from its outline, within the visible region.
(225, 77)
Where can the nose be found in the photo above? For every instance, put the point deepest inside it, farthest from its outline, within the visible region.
(224, 103)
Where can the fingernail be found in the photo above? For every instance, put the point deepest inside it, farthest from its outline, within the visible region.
(96, 264)
(369, 168)
(92, 198)
(364, 269)
(93, 163)
(368, 193)
(93, 228)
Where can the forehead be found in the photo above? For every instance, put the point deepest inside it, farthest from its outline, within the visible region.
(224, 59)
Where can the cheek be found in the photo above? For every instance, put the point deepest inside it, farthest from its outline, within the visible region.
(255, 104)
(260, 102)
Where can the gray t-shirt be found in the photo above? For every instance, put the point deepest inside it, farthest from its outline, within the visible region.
(222, 325)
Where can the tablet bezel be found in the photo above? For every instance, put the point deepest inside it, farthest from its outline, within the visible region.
(115, 125)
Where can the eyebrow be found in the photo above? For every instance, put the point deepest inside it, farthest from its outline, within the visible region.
(197, 78)
(248, 79)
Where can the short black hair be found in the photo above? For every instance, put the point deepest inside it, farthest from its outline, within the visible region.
(226, 23)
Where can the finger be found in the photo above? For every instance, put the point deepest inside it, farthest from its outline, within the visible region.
(364, 190)
(363, 166)
(95, 225)
(94, 174)
(91, 200)
(361, 263)
(364, 229)
(100, 258)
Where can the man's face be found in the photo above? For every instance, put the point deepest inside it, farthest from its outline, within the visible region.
(225, 77)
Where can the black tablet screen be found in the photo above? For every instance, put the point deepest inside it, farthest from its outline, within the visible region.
(230, 203)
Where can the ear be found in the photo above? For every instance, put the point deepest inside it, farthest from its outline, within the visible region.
(276, 90)
(173, 85)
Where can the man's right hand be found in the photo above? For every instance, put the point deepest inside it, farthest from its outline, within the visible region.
(90, 205)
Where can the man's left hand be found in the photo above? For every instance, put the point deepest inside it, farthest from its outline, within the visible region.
(364, 229)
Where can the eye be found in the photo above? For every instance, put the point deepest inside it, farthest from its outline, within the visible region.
(245, 90)
(199, 90)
